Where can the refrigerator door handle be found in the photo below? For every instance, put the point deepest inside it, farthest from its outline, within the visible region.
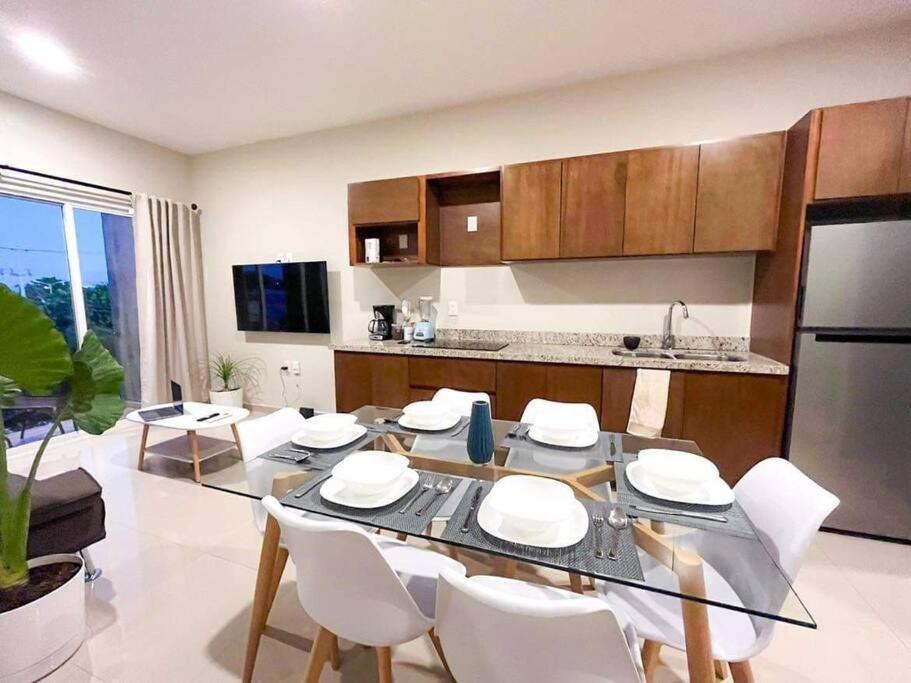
(862, 338)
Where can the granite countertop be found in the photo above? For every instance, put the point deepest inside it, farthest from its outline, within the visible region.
(598, 353)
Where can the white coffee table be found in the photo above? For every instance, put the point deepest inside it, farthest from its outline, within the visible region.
(200, 447)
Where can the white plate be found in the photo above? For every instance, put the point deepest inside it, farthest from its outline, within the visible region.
(715, 492)
(568, 533)
(450, 421)
(336, 492)
(583, 439)
(350, 435)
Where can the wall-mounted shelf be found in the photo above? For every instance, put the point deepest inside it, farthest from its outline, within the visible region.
(464, 209)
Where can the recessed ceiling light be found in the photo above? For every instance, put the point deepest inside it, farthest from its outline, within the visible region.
(46, 53)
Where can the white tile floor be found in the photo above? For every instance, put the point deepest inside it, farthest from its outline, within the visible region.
(179, 568)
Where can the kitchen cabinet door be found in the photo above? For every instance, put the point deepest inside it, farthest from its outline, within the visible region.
(370, 379)
(737, 194)
(904, 182)
(455, 373)
(860, 149)
(574, 384)
(519, 383)
(594, 199)
(396, 200)
(660, 201)
(531, 210)
(617, 389)
(736, 420)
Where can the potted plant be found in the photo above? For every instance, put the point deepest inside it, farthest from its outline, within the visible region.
(42, 602)
(231, 375)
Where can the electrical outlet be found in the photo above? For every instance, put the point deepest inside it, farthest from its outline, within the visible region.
(472, 224)
(296, 367)
(403, 241)
(453, 308)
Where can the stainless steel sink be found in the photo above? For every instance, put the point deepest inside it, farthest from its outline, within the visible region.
(709, 356)
(643, 353)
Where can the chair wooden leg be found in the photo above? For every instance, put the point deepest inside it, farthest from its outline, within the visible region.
(452, 552)
(281, 559)
(438, 646)
(742, 672)
(264, 581)
(721, 670)
(402, 536)
(335, 658)
(142, 446)
(506, 567)
(575, 583)
(384, 664)
(322, 645)
(650, 660)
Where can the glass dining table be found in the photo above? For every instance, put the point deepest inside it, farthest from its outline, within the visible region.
(684, 539)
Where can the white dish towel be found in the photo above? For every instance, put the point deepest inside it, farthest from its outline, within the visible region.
(649, 406)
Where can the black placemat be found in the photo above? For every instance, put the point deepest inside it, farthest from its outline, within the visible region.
(319, 458)
(458, 431)
(386, 517)
(609, 447)
(738, 524)
(579, 558)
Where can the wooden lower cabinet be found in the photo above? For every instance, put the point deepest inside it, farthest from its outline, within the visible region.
(370, 379)
(736, 420)
(519, 383)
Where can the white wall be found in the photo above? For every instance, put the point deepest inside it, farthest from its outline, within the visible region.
(40, 139)
(290, 195)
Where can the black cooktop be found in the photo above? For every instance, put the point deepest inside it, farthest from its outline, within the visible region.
(461, 345)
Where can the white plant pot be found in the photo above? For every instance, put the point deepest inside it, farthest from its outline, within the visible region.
(38, 637)
(234, 398)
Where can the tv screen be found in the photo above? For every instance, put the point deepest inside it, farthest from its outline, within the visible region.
(282, 297)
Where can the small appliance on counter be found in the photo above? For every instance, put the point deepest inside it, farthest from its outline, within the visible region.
(423, 331)
(380, 327)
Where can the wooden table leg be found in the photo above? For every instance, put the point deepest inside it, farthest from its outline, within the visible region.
(142, 446)
(264, 581)
(194, 447)
(237, 440)
(504, 566)
(698, 638)
(575, 583)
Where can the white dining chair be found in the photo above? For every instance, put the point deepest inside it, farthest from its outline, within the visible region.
(498, 629)
(367, 589)
(459, 401)
(539, 409)
(786, 508)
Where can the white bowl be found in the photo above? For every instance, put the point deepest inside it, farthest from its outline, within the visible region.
(328, 426)
(560, 431)
(425, 413)
(677, 471)
(531, 505)
(369, 473)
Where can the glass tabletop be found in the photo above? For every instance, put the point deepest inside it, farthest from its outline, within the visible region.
(738, 571)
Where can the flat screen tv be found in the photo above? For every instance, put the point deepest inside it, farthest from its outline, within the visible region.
(282, 297)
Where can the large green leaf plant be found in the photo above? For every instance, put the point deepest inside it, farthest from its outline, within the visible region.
(35, 358)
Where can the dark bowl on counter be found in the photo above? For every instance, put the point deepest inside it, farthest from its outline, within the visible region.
(631, 343)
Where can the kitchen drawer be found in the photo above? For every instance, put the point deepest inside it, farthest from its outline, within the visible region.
(466, 375)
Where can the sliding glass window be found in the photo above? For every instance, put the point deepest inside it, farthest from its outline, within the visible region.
(78, 266)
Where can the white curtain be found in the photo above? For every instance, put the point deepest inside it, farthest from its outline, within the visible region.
(169, 292)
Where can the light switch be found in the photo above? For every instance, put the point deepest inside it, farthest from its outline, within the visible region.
(295, 367)
(453, 308)
(472, 224)
(403, 241)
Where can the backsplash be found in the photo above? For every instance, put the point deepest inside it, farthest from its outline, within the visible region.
(593, 339)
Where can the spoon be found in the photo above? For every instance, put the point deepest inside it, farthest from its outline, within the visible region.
(442, 487)
(618, 521)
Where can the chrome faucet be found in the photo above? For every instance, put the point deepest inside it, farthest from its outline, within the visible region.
(669, 340)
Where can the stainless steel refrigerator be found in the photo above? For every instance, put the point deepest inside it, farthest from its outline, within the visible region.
(851, 408)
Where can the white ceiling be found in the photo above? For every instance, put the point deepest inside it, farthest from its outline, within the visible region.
(200, 75)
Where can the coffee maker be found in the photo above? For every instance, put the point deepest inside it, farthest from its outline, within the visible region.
(380, 327)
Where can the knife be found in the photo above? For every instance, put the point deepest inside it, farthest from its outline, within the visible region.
(474, 504)
(680, 513)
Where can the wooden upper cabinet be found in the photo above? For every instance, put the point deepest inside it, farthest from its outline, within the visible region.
(594, 197)
(904, 182)
(396, 200)
(660, 201)
(737, 195)
(860, 149)
(531, 210)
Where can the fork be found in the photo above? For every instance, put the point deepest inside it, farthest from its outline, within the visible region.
(425, 487)
(442, 487)
(598, 521)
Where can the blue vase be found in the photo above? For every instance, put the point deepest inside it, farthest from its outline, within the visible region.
(480, 433)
